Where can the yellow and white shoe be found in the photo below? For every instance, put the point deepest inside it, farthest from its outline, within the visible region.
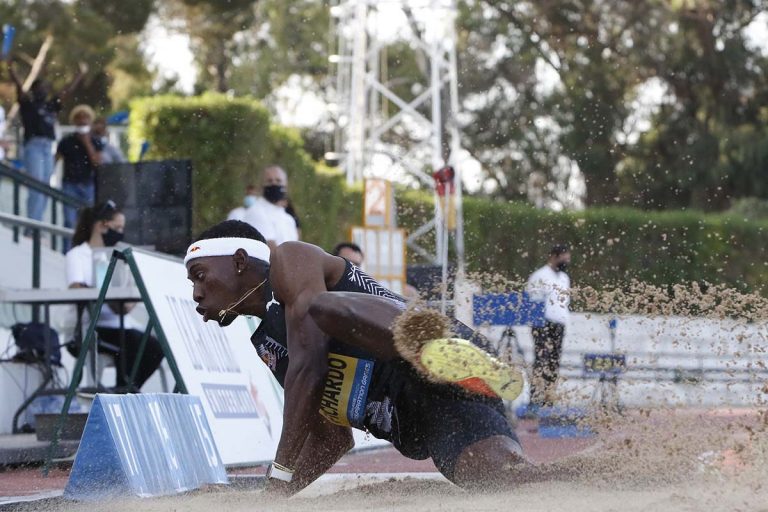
(459, 362)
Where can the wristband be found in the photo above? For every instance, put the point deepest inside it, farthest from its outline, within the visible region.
(279, 472)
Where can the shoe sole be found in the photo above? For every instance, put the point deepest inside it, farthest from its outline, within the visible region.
(459, 362)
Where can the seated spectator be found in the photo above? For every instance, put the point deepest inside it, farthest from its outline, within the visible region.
(102, 226)
(267, 215)
(80, 152)
(110, 154)
(251, 193)
(350, 252)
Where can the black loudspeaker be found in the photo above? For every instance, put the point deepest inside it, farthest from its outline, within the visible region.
(156, 198)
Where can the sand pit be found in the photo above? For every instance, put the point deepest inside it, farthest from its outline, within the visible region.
(643, 461)
(653, 459)
(705, 493)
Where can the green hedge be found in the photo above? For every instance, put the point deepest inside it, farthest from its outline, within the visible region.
(231, 139)
(611, 246)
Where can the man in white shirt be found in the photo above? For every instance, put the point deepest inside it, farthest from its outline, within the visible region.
(550, 285)
(266, 214)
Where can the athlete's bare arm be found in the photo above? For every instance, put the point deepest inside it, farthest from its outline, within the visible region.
(324, 446)
(299, 272)
(20, 93)
(359, 320)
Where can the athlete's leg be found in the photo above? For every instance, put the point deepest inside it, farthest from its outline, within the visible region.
(472, 442)
(358, 319)
(475, 447)
(497, 464)
(366, 322)
(492, 464)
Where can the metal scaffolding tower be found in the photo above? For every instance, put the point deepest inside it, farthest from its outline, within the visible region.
(373, 121)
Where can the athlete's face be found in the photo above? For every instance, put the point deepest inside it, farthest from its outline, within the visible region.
(215, 285)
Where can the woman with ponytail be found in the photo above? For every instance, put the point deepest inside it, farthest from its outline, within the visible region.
(98, 227)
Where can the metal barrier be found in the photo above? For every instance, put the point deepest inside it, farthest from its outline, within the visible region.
(20, 179)
(690, 368)
(36, 227)
(650, 366)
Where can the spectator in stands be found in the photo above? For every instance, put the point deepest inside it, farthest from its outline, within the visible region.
(550, 285)
(80, 152)
(110, 154)
(39, 109)
(251, 194)
(267, 215)
(350, 252)
(354, 254)
(101, 226)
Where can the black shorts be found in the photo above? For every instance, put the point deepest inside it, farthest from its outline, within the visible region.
(453, 425)
(440, 421)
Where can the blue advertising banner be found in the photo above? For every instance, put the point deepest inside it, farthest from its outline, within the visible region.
(507, 309)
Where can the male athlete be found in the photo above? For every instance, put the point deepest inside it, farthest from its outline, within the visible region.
(326, 334)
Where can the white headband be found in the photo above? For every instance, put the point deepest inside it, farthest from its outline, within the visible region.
(227, 247)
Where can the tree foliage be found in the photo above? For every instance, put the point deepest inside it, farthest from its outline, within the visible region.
(708, 145)
(215, 28)
(289, 38)
(551, 89)
(705, 145)
(101, 33)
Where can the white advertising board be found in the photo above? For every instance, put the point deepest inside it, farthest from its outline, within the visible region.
(384, 250)
(242, 400)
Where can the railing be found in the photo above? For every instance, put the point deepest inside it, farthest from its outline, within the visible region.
(56, 196)
(36, 227)
(681, 367)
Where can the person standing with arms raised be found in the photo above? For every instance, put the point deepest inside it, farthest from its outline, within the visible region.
(39, 109)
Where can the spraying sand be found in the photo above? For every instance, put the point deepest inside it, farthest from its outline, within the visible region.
(644, 460)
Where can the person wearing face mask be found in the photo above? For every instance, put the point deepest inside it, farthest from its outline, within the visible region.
(251, 193)
(267, 213)
(98, 227)
(110, 154)
(80, 152)
(551, 285)
(39, 108)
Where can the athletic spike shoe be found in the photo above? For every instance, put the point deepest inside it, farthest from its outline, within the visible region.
(459, 362)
